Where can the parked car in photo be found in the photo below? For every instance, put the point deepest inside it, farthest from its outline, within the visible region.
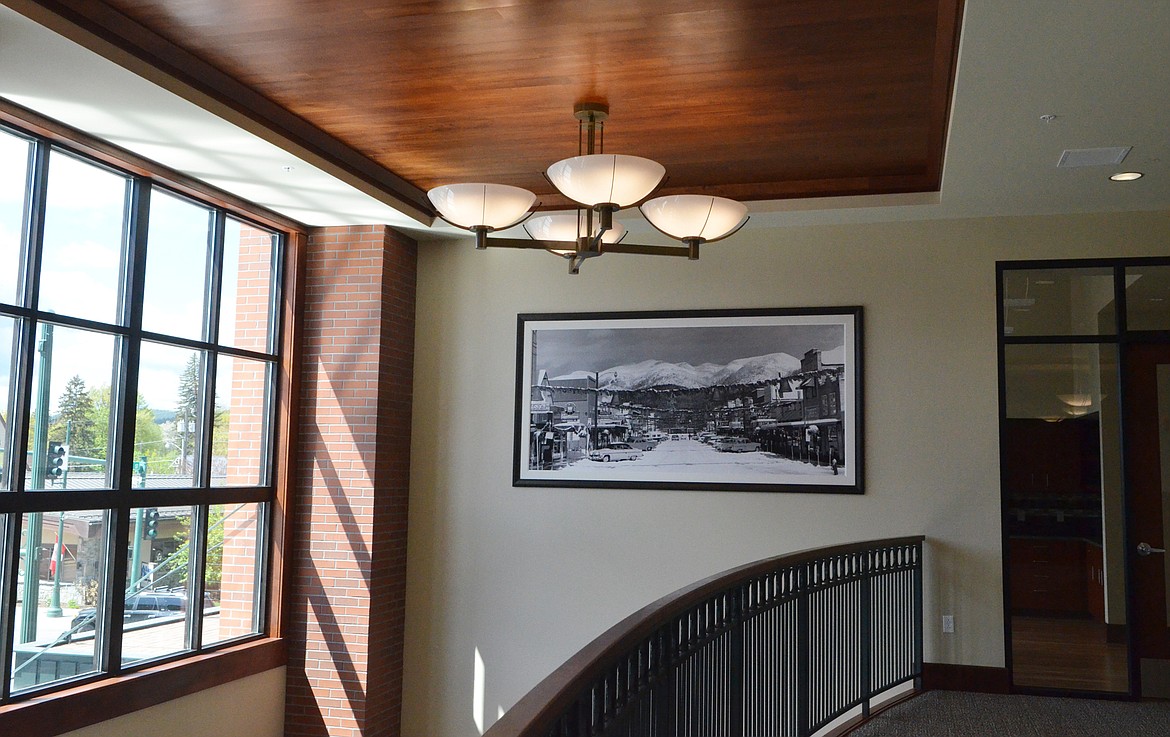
(735, 445)
(615, 452)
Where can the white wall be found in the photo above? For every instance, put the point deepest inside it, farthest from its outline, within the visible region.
(249, 707)
(524, 577)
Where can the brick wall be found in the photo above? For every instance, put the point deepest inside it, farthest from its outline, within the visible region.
(345, 622)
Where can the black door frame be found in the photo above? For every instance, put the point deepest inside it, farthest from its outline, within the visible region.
(1122, 338)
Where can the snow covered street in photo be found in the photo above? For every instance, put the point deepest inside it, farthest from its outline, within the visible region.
(690, 458)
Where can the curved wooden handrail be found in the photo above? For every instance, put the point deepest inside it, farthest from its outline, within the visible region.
(536, 711)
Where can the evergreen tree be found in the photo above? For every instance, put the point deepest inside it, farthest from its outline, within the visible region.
(187, 413)
(75, 417)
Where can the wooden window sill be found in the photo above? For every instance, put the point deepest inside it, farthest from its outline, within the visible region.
(63, 711)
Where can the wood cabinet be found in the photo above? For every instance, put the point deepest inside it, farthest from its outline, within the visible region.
(1051, 458)
(1056, 576)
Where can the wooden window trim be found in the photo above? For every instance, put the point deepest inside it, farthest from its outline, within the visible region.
(87, 704)
(106, 697)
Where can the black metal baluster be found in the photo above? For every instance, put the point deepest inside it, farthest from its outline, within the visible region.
(735, 679)
(866, 651)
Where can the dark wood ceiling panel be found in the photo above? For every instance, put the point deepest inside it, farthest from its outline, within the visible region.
(754, 99)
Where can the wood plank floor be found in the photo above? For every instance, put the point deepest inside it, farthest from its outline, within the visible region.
(1067, 654)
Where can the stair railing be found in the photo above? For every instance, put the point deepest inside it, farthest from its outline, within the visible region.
(781, 647)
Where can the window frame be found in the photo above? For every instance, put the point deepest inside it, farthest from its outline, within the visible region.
(115, 690)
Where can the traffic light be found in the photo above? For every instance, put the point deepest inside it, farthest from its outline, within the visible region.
(58, 461)
(139, 469)
(150, 523)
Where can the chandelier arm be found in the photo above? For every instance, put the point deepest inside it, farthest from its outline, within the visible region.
(523, 243)
(645, 250)
(595, 239)
(576, 259)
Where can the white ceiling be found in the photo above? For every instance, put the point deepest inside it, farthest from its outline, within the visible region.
(1102, 68)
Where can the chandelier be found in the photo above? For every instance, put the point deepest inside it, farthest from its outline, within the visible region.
(600, 184)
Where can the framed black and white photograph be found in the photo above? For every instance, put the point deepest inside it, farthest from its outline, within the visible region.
(729, 400)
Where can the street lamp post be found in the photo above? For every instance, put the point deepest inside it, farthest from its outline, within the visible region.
(32, 551)
(54, 609)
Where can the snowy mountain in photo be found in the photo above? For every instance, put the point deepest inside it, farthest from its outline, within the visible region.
(653, 373)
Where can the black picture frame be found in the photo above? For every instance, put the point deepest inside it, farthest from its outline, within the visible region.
(719, 400)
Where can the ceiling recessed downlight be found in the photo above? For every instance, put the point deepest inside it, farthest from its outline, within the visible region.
(1126, 176)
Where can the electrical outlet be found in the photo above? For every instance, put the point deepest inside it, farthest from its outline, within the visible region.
(948, 624)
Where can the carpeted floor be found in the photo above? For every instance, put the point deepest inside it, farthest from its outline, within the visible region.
(950, 714)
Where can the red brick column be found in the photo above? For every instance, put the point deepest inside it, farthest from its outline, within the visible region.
(345, 624)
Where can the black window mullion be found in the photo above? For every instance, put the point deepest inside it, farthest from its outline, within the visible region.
(111, 601)
(207, 427)
(212, 301)
(126, 403)
(25, 336)
(199, 345)
(197, 555)
(268, 440)
(72, 501)
(214, 279)
(33, 228)
(276, 279)
(262, 582)
(9, 574)
(271, 391)
(197, 564)
(33, 224)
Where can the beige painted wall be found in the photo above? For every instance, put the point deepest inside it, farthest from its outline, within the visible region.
(249, 707)
(520, 578)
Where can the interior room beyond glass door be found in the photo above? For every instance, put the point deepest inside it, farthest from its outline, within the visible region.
(1060, 456)
(1064, 518)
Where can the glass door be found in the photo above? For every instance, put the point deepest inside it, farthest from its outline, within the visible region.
(1061, 484)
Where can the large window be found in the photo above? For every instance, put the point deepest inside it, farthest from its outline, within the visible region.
(139, 359)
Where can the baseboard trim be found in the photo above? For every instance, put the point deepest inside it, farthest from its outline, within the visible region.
(975, 678)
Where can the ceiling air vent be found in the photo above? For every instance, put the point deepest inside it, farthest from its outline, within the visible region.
(1074, 157)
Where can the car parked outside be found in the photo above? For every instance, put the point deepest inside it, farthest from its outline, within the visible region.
(615, 452)
(140, 606)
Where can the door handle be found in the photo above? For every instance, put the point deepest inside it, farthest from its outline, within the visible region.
(1145, 549)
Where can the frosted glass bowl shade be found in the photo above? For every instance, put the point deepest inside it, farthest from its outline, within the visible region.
(475, 205)
(563, 227)
(606, 179)
(690, 217)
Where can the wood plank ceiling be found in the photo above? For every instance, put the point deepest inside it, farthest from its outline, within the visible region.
(749, 99)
